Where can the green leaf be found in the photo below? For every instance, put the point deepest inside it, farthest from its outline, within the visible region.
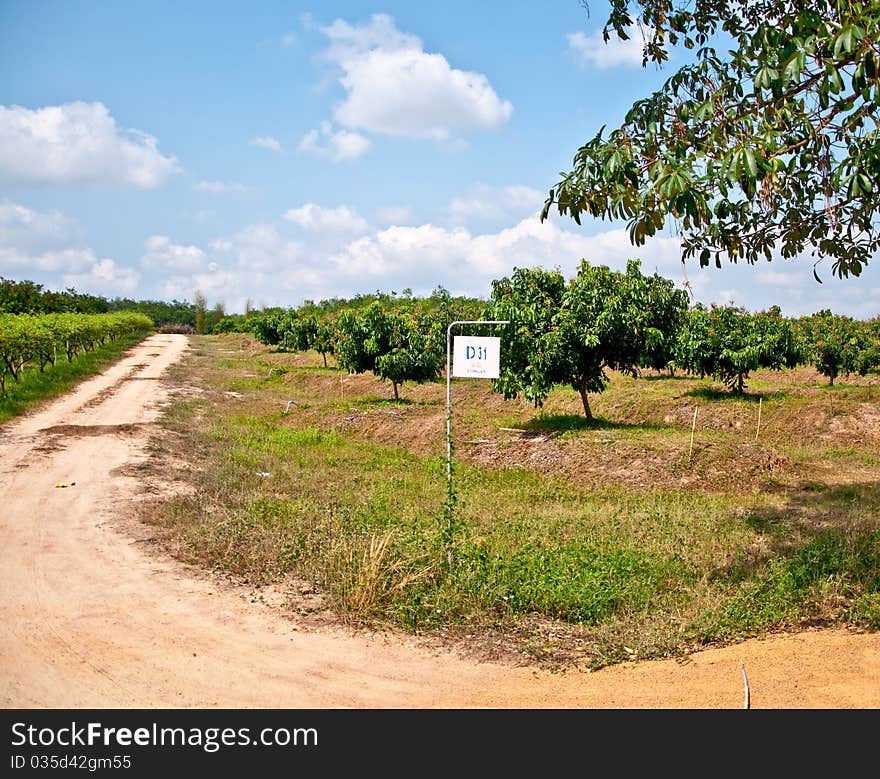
(752, 163)
(794, 66)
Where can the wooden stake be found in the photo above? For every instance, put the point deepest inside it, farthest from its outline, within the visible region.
(693, 428)
(758, 429)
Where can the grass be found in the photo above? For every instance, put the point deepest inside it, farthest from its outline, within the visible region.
(600, 544)
(36, 388)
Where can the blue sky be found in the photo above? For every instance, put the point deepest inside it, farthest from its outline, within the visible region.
(274, 152)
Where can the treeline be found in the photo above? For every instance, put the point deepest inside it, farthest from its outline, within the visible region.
(28, 297)
(561, 331)
(572, 331)
(39, 340)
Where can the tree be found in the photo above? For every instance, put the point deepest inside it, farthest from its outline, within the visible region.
(21, 297)
(774, 148)
(324, 339)
(216, 316)
(729, 343)
(297, 332)
(869, 359)
(667, 307)
(361, 336)
(28, 297)
(692, 351)
(837, 344)
(201, 305)
(396, 347)
(415, 351)
(268, 327)
(571, 333)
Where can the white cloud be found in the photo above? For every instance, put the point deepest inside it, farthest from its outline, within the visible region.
(348, 41)
(397, 251)
(488, 202)
(315, 252)
(787, 281)
(258, 248)
(79, 268)
(27, 229)
(15, 262)
(78, 143)
(263, 263)
(593, 50)
(393, 87)
(337, 145)
(313, 217)
(257, 263)
(266, 142)
(424, 256)
(35, 245)
(106, 278)
(289, 39)
(221, 187)
(163, 255)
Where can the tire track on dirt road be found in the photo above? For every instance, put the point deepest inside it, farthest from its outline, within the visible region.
(88, 619)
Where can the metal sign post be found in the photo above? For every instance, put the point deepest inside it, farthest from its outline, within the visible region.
(482, 364)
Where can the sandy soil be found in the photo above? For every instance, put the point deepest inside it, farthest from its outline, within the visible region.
(89, 618)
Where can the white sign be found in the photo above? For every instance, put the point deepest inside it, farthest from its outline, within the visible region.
(476, 357)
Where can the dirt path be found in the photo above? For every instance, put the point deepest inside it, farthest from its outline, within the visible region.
(89, 619)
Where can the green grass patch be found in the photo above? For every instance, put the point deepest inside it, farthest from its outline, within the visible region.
(648, 572)
(841, 569)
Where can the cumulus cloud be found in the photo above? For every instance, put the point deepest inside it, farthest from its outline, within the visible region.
(78, 143)
(104, 277)
(15, 262)
(593, 50)
(422, 257)
(266, 142)
(396, 251)
(259, 248)
(163, 255)
(393, 87)
(341, 219)
(336, 145)
(257, 264)
(488, 202)
(349, 41)
(41, 246)
(788, 280)
(25, 228)
(315, 252)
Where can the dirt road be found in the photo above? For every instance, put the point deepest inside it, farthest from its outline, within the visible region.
(89, 619)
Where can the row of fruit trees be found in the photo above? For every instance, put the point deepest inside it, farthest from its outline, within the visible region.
(37, 340)
(573, 331)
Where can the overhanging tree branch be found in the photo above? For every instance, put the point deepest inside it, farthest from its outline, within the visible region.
(767, 149)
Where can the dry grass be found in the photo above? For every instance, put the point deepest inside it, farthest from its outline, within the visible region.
(369, 580)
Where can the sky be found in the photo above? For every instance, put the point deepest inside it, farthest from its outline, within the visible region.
(269, 153)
